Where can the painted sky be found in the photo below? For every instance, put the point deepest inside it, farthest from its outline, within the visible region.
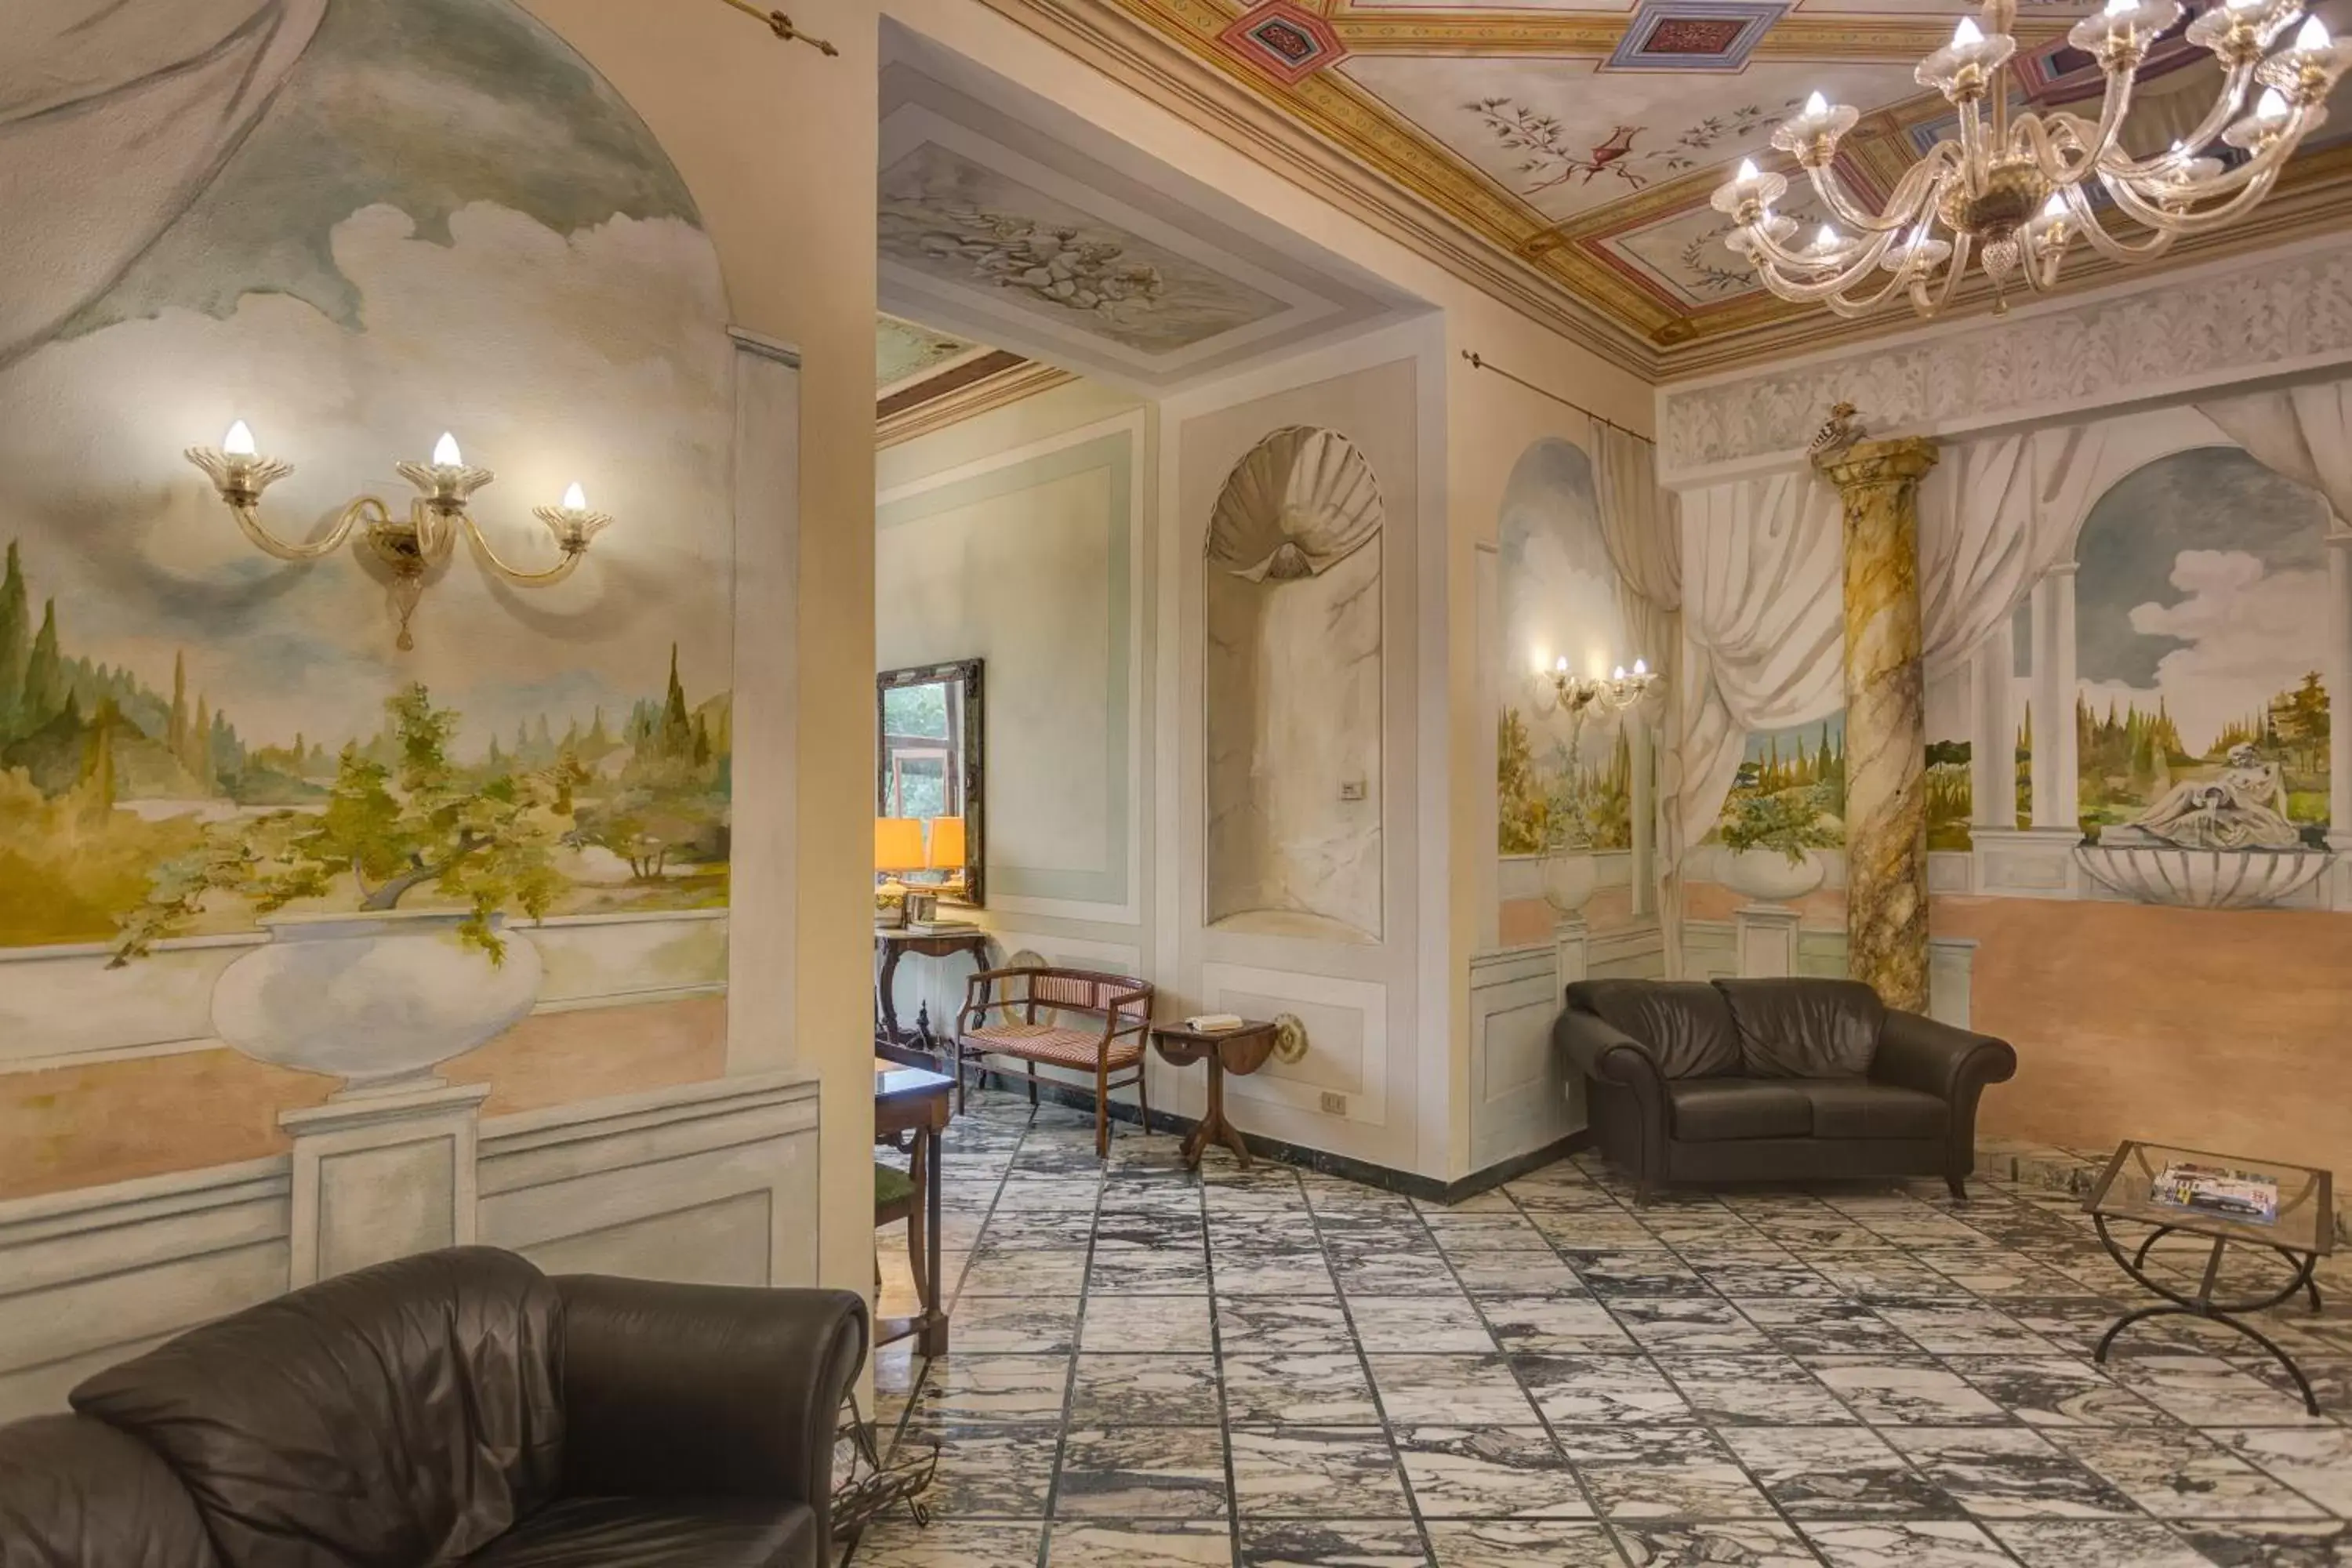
(2203, 581)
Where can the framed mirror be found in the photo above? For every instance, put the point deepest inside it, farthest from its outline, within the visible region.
(930, 767)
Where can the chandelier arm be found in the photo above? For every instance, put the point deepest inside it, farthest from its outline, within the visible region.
(1972, 149)
(1956, 266)
(1902, 207)
(2226, 105)
(2097, 140)
(366, 510)
(1856, 309)
(520, 578)
(2046, 146)
(2205, 221)
(1774, 263)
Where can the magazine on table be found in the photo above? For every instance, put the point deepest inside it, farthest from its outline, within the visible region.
(2217, 1190)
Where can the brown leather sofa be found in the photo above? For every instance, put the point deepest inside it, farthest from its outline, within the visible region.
(1775, 1080)
(454, 1408)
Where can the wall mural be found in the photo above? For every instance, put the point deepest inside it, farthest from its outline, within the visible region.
(964, 224)
(194, 738)
(1293, 679)
(1565, 777)
(905, 350)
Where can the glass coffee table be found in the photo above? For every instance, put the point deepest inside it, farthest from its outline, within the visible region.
(2286, 1209)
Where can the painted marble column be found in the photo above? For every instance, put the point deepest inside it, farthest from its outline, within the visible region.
(1885, 717)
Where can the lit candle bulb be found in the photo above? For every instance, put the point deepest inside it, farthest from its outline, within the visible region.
(1747, 174)
(1618, 673)
(1967, 31)
(575, 498)
(239, 442)
(446, 454)
(2119, 7)
(1825, 238)
(1815, 104)
(2272, 105)
(2313, 36)
(1562, 666)
(1640, 668)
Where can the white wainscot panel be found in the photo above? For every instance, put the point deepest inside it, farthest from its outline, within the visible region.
(1520, 1095)
(1346, 1038)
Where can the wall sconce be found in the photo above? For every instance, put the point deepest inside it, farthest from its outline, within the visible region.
(409, 546)
(1574, 693)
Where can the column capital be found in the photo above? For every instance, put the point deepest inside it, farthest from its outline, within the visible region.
(1865, 464)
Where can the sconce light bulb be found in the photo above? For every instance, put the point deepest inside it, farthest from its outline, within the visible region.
(1562, 666)
(2273, 106)
(2055, 206)
(1747, 169)
(1618, 673)
(1825, 238)
(1815, 104)
(446, 454)
(1640, 668)
(239, 442)
(2314, 35)
(1968, 32)
(575, 498)
(2118, 7)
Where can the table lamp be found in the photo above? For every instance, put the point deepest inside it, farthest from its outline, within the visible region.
(948, 848)
(898, 847)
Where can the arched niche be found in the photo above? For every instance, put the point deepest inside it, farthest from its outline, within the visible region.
(1293, 690)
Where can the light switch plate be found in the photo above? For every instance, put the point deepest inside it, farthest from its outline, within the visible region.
(1334, 1103)
(1353, 790)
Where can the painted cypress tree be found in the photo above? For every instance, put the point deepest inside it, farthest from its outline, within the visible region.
(178, 731)
(16, 637)
(677, 727)
(44, 691)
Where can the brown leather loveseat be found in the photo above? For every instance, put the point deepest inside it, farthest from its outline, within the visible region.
(1775, 1080)
(454, 1408)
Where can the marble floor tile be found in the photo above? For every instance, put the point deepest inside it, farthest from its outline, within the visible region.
(1024, 1274)
(1906, 1544)
(1009, 1325)
(1450, 1390)
(1119, 1230)
(1488, 1472)
(1429, 1324)
(896, 1541)
(1582, 1230)
(1554, 1323)
(2315, 1460)
(1023, 1190)
(959, 1387)
(1038, 1230)
(1387, 1269)
(1808, 1327)
(1912, 1391)
(1812, 1472)
(2009, 1472)
(1331, 1543)
(1141, 1472)
(1315, 1388)
(1490, 1232)
(990, 1472)
(1662, 1472)
(1601, 1390)
(2176, 1474)
(2094, 1544)
(2233, 1544)
(1156, 1197)
(1747, 1543)
(1259, 1325)
(1777, 1282)
(1644, 1272)
(1520, 1544)
(2206, 1391)
(1515, 1273)
(1137, 1544)
(1687, 1325)
(1315, 1472)
(1947, 1329)
(2056, 1391)
(1137, 1272)
(1238, 1236)
(1147, 1323)
(1170, 1389)
(2330, 1377)
(1875, 1277)
(1754, 1390)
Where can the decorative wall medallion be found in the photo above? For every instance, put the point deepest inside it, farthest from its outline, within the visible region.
(1284, 40)
(1695, 34)
(1289, 1039)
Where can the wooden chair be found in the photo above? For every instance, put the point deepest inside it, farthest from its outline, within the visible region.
(1015, 997)
(898, 1195)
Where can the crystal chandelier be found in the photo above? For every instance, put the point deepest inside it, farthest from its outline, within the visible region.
(2014, 191)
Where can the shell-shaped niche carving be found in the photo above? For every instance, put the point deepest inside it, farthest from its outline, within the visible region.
(1302, 500)
(1293, 687)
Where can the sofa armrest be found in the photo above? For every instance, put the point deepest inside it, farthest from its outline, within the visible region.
(704, 1389)
(1598, 1049)
(1918, 1052)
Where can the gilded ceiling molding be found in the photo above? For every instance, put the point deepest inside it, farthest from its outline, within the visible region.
(2273, 315)
(920, 417)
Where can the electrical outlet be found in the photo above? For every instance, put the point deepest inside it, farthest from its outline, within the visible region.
(1334, 1104)
(1353, 789)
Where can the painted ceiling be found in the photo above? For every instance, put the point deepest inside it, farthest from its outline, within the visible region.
(905, 352)
(1585, 136)
(1003, 218)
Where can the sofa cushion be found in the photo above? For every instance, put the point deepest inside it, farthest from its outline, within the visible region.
(630, 1532)
(1850, 1107)
(1804, 1029)
(1721, 1110)
(1685, 1024)
(406, 1414)
(76, 1492)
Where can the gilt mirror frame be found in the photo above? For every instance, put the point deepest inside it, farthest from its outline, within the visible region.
(967, 741)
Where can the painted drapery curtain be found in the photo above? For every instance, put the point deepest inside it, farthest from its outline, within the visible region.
(1642, 528)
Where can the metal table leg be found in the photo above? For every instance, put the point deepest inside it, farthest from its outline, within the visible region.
(2202, 1304)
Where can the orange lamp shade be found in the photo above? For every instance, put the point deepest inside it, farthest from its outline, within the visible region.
(897, 844)
(946, 844)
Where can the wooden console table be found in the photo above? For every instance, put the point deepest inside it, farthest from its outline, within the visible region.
(1242, 1050)
(889, 947)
